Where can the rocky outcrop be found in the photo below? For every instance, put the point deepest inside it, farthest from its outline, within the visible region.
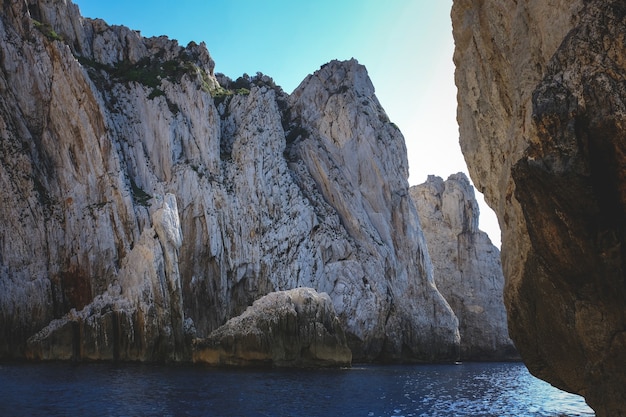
(467, 267)
(146, 204)
(295, 328)
(541, 107)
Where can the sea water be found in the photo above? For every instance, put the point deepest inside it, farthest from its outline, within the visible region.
(109, 389)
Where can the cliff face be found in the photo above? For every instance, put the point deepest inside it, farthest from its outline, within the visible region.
(467, 267)
(145, 204)
(541, 110)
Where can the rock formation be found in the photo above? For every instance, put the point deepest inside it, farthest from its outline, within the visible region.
(146, 203)
(297, 327)
(467, 266)
(541, 113)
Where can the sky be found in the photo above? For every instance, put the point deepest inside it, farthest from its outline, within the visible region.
(406, 46)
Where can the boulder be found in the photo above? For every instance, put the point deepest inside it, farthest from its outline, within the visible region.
(294, 328)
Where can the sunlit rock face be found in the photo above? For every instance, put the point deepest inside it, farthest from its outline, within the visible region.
(541, 109)
(466, 264)
(294, 328)
(145, 204)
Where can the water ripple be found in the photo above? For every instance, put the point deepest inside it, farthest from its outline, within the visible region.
(486, 390)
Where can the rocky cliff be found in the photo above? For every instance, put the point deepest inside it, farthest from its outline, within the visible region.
(146, 203)
(541, 113)
(467, 267)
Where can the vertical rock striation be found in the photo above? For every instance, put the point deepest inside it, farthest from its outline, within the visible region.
(146, 204)
(541, 110)
(467, 266)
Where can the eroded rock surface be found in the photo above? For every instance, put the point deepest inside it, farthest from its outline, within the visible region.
(145, 203)
(467, 267)
(295, 328)
(541, 112)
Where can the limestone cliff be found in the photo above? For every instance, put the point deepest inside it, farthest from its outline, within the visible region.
(467, 267)
(541, 113)
(146, 204)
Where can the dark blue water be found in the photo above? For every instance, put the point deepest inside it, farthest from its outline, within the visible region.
(495, 389)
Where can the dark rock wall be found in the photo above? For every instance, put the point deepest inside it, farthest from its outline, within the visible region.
(557, 179)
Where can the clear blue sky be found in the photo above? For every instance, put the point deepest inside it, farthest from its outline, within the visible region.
(406, 46)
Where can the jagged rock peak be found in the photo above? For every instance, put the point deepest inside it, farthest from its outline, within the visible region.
(456, 204)
(340, 75)
(95, 40)
(466, 264)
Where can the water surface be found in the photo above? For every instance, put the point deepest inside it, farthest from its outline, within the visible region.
(473, 389)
